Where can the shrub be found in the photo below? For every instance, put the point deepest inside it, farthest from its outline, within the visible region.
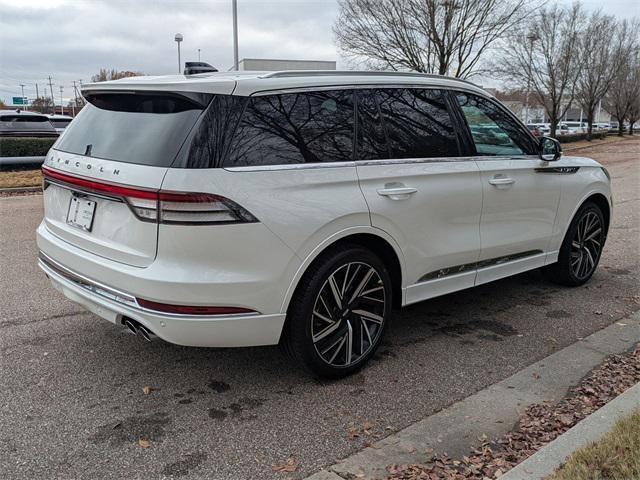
(575, 137)
(25, 146)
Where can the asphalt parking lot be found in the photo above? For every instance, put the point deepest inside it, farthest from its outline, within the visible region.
(72, 403)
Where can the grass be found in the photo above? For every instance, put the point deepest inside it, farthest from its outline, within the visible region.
(585, 143)
(20, 178)
(616, 456)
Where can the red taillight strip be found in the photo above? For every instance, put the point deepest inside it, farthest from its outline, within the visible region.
(191, 310)
(109, 188)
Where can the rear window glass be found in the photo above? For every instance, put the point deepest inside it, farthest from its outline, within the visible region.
(293, 128)
(418, 124)
(60, 123)
(23, 118)
(145, 129)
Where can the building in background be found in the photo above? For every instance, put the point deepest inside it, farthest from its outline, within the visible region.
(267, 64)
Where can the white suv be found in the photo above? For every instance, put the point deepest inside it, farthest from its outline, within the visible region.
(301, 208)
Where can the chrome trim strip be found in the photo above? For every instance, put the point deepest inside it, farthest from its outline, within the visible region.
(51, 266)
(558, 170)
(492, 262)
(364, 86)
(387, 161)
(86, 283)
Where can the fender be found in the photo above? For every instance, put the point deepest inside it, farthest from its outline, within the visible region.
(322, 246)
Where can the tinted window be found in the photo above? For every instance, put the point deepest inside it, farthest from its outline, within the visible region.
(494, 131)
(417, 123)
(372, 142)
(209, 141)
(23, 118)
(294, 128)
(133, 128)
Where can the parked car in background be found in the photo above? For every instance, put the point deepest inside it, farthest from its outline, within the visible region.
(20, 123)
(535, 131)
(544, 128)
(573, 127)
(60, 122)
(300, 208)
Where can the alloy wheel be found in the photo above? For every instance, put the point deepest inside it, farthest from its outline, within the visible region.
(586, 245)
(348, 314)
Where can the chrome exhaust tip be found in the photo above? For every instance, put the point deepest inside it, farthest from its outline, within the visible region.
(131, 326)
(145, 333)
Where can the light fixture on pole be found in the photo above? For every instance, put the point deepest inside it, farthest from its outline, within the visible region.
(178, 39)
(234, 6)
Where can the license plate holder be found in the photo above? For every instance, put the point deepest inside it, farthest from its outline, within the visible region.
(81, 212)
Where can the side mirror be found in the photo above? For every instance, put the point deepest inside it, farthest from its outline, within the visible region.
(549, 149)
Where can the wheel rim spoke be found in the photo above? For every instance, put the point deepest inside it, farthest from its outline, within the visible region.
(345, 332)
(586, 246)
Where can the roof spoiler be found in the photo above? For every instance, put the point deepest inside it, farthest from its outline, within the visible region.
(193, 68)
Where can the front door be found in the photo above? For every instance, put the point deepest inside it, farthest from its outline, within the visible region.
(519, 203)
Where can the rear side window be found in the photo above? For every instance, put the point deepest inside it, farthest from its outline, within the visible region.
(293, 128)
(140, 128)
(417, 123)
(493, 130)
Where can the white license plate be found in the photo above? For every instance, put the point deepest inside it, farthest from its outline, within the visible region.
(81, 211)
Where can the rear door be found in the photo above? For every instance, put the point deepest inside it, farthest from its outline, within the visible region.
(418, 188)
(519, 203)
(102, 175)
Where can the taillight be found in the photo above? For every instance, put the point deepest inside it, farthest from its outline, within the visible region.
(198, 208)
(181, 208)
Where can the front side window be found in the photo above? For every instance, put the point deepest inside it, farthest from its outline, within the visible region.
(493, 130)
(293, 128)
(417, 123)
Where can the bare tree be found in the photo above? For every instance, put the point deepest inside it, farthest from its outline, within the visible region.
(544, 58)
(431, 36)
(625, 87)
(103, 75)
(633, 114)
(601, 61)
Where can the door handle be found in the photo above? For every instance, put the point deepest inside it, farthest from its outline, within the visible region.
(397, 193)
(502, 181)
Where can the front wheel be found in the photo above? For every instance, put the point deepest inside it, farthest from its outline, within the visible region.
(339, 312)
(581, 249)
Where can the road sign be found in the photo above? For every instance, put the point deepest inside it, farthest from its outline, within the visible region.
(20, 100)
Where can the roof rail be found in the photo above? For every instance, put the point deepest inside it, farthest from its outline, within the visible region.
(356, 73)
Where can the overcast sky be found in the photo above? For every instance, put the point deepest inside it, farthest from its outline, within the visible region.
(73, 39)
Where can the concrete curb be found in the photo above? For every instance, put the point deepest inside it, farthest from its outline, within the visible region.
(552, 455)
(492, 411)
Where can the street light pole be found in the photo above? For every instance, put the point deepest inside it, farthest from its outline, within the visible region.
(61, 104)
(198, 54)
(22, 86)
(178, 38)
(234, 4)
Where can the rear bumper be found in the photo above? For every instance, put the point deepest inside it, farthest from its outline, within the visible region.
(188, 330)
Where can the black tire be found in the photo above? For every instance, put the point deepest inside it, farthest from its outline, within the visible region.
(565, 271)
(314, 295)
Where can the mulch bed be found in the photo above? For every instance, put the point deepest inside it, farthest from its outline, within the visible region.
(538, 425)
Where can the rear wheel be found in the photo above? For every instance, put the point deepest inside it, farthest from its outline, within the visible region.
(581, 249)
(339, 312)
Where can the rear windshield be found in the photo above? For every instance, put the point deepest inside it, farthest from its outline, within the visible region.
(146, 129)
(23, 118)
(60, 123)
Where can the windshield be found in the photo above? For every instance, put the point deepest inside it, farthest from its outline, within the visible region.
(141, 128)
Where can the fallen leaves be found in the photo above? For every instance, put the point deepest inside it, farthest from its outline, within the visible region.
(144, 443)
(538, 425)
(291, 465)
